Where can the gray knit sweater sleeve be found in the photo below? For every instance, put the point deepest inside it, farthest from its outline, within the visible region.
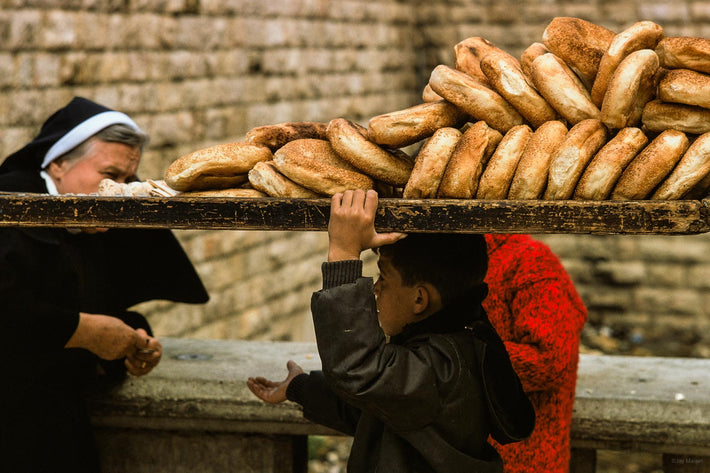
(340, 272)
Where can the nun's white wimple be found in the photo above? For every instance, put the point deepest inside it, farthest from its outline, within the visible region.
(84, 131)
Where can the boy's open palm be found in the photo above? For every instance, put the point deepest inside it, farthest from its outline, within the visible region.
(273, 392)
(351, 228)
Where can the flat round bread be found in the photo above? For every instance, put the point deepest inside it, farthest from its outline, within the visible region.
(530, 178)
(507, 78)
(651, 166)
(314, 165)
(411, 125)
(630, 89)
(468, 54)
(562, 89)
(531, 53)
(498, 174)
(692, 168)
(659, 116)
(267, 179)
(602, 173)
(349, 140)
(428, 95)
(430, 164)
(465, 166)
(216, 167)
(681, 52)
(686, 87)
(579, 43)
(227, 193)
(640, 35)
(275, 136)
(474, 98)
(571, 158)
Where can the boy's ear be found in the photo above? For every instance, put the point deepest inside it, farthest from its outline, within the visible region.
(422, 299)
(427, 300)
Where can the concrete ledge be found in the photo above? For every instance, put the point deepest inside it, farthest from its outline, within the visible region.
(643, 403)
(201, 385)
(199, 390)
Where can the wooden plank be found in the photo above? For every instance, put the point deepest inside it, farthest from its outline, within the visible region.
(436, 215)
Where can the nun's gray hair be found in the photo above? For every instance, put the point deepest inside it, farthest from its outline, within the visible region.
(118, 133)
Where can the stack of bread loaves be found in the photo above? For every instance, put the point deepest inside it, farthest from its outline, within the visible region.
(587, 113)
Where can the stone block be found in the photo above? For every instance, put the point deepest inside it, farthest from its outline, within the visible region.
(668, 300)
(664, 12)
(168, 129)
(22, 29)
(59, 30)
(686, 248)
(602, 300)
(668, 275)
(622, 273)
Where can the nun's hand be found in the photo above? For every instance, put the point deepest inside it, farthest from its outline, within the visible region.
(146, 356)
(107, 337)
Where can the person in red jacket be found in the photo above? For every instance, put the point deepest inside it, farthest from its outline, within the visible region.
(536, 310)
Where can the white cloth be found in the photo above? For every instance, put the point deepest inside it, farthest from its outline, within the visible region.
(84, 131)
(51, 187)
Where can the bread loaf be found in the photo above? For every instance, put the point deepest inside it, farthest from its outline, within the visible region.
(314, 165)
(228, 193)
(579, 43)
(472, 152)
(507, 78)
(275, 136)
(217, 167)
(531, 53)
(571, 158)
(602, 173)
(428, 95)
(498, 174)
(692, 168)
(686, 87)
(349, 140)
(266, 178)
(659, 116)
(562, 89)
(630, 89)
(474, 98)
(468, 54)
(650, 166)
(411, 125)
(530, 178)
(640, 35)
(680, 52)
(430, 164)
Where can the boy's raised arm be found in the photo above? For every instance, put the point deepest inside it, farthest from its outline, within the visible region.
(351, 228)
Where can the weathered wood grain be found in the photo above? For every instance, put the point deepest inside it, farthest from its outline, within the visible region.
(437, 215)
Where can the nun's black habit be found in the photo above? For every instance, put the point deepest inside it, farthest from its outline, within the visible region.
(48, 276)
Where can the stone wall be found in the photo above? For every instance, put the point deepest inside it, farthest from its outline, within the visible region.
(199, 72)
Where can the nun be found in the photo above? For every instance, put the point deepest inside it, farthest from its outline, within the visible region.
(67, 328)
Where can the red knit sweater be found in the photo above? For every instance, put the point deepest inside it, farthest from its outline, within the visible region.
(535, 308)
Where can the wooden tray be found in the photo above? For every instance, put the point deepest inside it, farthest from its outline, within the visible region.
(432, 215)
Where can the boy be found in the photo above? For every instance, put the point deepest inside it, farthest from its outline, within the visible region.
(427, 400)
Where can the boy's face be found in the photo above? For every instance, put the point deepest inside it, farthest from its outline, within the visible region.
(395, 301)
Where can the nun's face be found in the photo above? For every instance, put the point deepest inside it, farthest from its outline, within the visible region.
(103, 160)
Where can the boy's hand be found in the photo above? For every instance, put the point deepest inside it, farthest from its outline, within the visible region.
(351, 228)
(273, 392)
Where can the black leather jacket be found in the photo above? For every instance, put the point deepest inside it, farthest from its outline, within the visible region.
(420, 403)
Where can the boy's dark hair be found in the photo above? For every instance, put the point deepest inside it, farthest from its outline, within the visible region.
(451, 262)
